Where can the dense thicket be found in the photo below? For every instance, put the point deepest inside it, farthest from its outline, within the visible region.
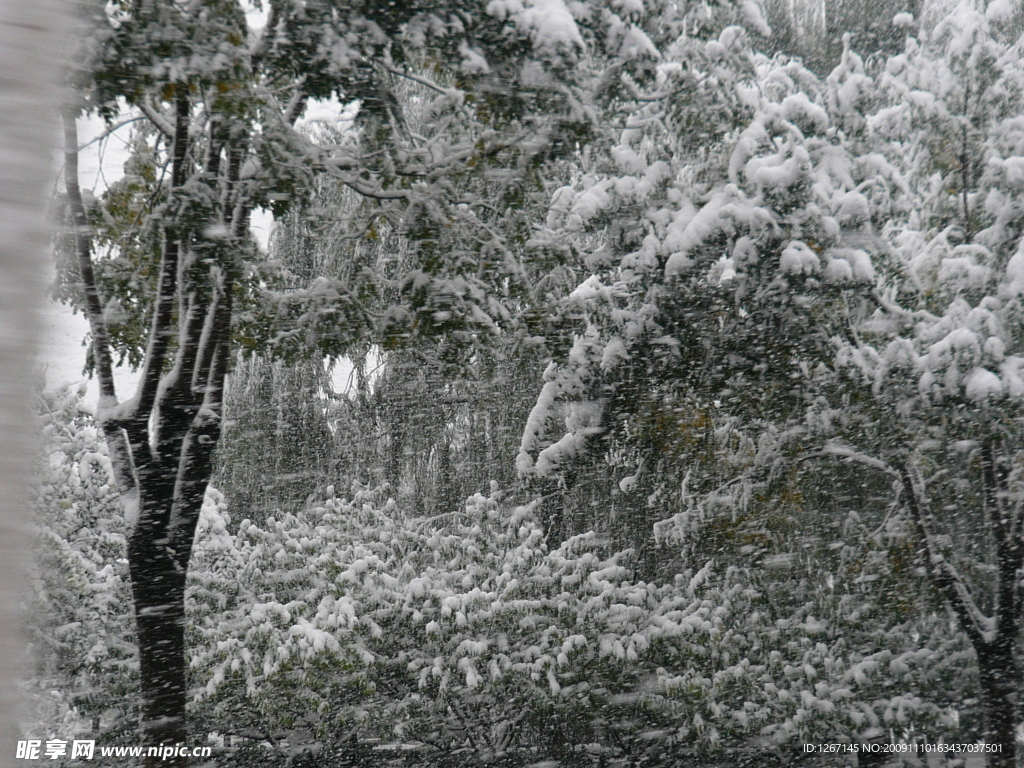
(683, 423)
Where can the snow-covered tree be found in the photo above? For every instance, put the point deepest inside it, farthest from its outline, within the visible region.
(706, 358)
(437, 407)
(938, 353)
(161, 261)
(719, 266)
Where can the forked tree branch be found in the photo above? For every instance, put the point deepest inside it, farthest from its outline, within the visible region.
(943, 575)
(160, 332)
(198, 371)
(192, 323)
(204, 432)
(203, 368)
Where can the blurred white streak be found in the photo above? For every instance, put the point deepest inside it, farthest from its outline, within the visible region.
(31, 42)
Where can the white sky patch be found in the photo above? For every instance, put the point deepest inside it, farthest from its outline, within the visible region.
(322, 111)
(343, 373)
(101, 161)
(261, 225)
(62, 356)
(255, 17)
(329, 113)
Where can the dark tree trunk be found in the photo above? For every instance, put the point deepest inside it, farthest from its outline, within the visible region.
(993, 639)
(162, 442)
(1000, 679)
(158, 587)
(172, 487)
(997, 664)
(158, 552)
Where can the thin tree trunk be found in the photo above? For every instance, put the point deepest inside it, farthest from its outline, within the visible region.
(997, 663)
(162, 441)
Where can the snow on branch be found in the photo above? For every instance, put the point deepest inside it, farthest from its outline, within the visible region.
(851, 455)
(153, 115)
(943, 575)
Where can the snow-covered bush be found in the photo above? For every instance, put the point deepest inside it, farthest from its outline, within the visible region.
(80, 624)
(466, 638)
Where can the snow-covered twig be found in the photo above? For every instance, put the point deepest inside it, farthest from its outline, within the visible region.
(849, 454)
(416, 79)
